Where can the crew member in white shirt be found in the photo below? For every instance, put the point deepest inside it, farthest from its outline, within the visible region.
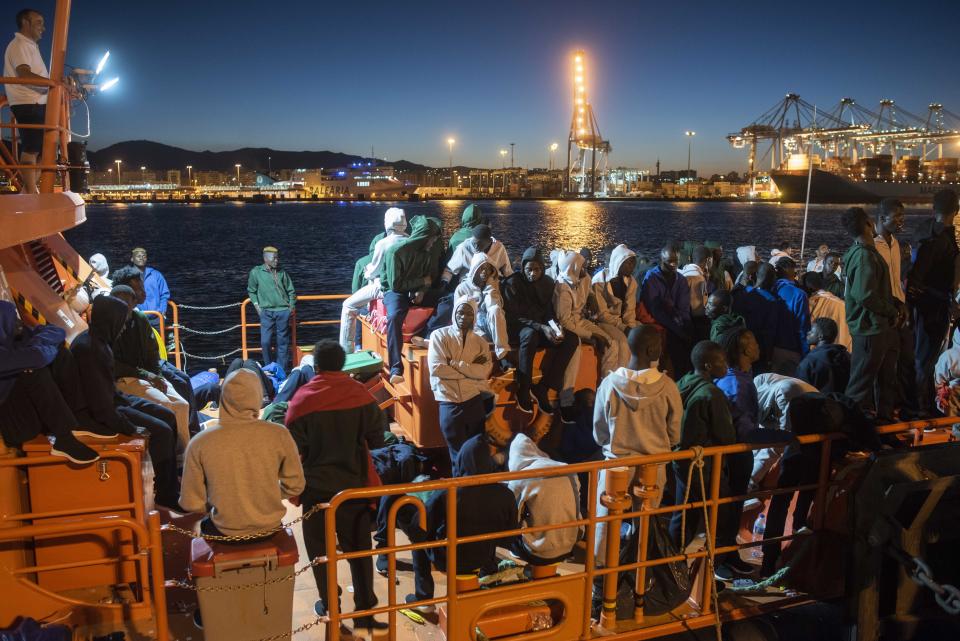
(22, 59)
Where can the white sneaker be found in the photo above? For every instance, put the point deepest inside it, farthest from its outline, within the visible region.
(396, 379)
(306, 360)
(419, 341)
(750, 504)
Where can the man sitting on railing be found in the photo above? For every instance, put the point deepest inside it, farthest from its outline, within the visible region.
(335, 421)
(240, 466)
(482, 285)
(28, 103)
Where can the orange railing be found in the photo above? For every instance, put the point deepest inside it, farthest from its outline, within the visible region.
(463, 609)
(175, 315)
(294, 322)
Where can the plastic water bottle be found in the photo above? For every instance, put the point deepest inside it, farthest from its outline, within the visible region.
(759, 527)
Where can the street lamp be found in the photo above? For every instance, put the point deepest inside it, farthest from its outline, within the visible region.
(553, 148)
(143, 174)
(118, 171)
(503, 158)
(189, 175)
(450, 143)
(689, 135)
(238, 175)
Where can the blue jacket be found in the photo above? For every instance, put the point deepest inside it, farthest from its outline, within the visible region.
(741, 394)
(33, 348)
(762, 312)
(669, 306)
(157, 291)
(796, 323)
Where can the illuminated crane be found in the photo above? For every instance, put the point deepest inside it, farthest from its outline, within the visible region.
(587, 151)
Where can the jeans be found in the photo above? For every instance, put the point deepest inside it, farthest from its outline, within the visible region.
(298, 377)
(397, 305)
(275, 322)
(873, 372)
(181, 383)
(931, 321)
(459, 422)
(168, 398)
(358, 301)
(530, 340)
(800, 467)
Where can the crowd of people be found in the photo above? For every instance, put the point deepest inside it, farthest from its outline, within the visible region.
(695, 349)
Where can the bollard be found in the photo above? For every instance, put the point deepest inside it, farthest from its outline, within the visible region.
(616, 500)
(647, 491)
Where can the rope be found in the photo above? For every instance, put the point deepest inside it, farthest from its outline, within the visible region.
(201, 332)
(246, 537)
(211, 358)
(203, 307)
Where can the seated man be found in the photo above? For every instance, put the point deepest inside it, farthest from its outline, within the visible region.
(395, 224)
(482, 286)
(615, 290)
(120, 413)
(471, 217)
(543, 501)
(721, 318)
(528, 300)
(570, 303)
(239, 466)
(946, 378)
(460, 366)
(827, 365)
(480, 242)
(408, 272)
(823, 304)
(832, 282)
(35, 371)
(137, 365)
(791, 345)
(774, 393)
(697, 273)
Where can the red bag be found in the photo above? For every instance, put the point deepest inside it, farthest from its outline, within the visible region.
(415, 321)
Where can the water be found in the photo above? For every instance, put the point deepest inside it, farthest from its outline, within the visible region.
(206, 250)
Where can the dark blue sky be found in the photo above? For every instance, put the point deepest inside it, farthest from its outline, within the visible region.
(402, 76)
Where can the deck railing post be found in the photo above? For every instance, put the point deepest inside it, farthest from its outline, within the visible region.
(617, 501)
(823, 479)
(590, 558)
(646, 491)
(713, 508)
(157, 586)
(452, 614)
(243, 328)
(392, 556)
(332, 596)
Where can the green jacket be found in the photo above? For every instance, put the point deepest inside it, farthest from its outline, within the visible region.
(406, 264)
(868, 297)
(725, 323)
(135, 352)
(834, 285)
(472, 216)
(269, 289)
(706, 414)
(362, 262)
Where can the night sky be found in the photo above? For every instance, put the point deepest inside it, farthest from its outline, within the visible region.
(402, 76)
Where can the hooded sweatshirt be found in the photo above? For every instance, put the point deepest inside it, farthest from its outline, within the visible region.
(795, 324)
(395, 224)
(699, 289)
(746, 253)
(826, 367)
(334, 421)
(454, 377)
(472, 216)
(669, 304)
(490, 293)
(947, 369)
(616, 297)
(407, 263)
(570, 298)
(637, 412)
(774, 393)
(544, 501)
(240, 466)
(99, 264)
(135, 351)
(33, 348)
(497, 255)
(934, 258)
(360, 267)
(724, 323)
(528, 304)
(706, 415)
(741, 395)
(94, 356)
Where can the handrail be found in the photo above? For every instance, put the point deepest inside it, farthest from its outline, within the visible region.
(176, 330)
(246, 349)
(713, 500)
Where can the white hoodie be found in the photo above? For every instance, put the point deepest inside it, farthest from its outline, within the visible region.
(612, 310)
(395, 224)
(463, 254)
(637, 412)
(747, 253)
(568, 295)
(697, 282)
(774, 393)
(544, 501)
(947, 370)
(489, 300)
(454, 377)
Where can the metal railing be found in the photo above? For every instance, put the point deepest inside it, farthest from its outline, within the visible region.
(294, 322)
(175, 313)
(458, 604)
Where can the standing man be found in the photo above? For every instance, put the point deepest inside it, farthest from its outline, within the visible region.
(154, 286)
(271, 292)
(931, 286)
(890, 221)
(874, 318)
(816, 263)
(832, 283)
(791, 345)
(666, 296)
(28, 103)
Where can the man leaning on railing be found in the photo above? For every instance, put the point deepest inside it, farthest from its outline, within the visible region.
(22, 59)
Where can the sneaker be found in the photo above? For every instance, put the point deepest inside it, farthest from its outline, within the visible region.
(539, 394)
(419, 341)
(525, 402)
(428, 609)
(739, 566)
(171, 505)
(568, 414)
(397, 379)
(321, 611)
(369, 624)
(382, 565)
(96, 431)
(751, 504)
(73, 450)
(722, 572)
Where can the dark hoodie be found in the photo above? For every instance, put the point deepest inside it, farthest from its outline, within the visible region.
(406, 264)
(935, 254)
(33, 348)
(135, 351)
(472, 216)
(827, 368)
(94, 358)
(527, 304)
(706, 416)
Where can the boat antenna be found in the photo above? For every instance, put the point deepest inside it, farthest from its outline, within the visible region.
(806, 207)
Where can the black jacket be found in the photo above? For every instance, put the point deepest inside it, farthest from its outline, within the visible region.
(827, 368)
(527, 304)
(932, 273)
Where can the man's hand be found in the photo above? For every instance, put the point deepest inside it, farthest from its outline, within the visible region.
(550, 334)
(257, 307)
(158, 382)
(481, 359)
(427, 280)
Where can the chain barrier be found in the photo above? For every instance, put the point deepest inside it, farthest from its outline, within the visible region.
(242, 538)
(189, 585)
(209, 307)
(201, 332)
(201, 357)
(947, 596)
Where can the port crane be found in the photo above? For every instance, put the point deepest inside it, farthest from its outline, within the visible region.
(587, 151)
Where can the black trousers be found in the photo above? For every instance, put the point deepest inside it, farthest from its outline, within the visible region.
(298, 377)
(931, 322)
(728, 516)
(181, 383)
(873, 372)
(42, 401)
(529, 341)
(799, 466)
(353, 534)
(460, 422)
(676, 355)
(161, 424)
(907, 371)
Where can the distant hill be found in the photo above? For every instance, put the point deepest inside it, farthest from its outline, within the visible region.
(157, 156)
